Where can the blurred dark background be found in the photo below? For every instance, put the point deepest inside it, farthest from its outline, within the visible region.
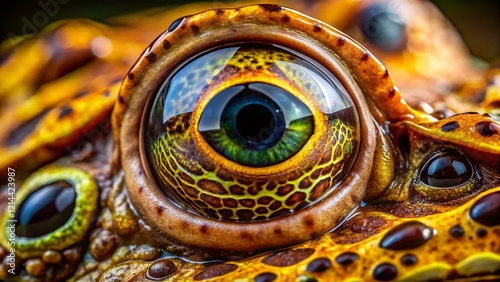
(477, 21)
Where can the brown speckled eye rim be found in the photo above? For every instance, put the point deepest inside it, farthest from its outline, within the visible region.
(331, 48)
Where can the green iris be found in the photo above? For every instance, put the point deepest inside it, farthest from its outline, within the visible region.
(256, 124)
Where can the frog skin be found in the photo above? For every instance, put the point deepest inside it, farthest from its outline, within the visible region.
(389, 216)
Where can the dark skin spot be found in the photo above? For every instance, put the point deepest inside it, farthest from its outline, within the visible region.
(219, 12)
(271, 8)
(204, 229)
(288, 258)
(246, 235)
(386, 73)
(457, 231)
(317, 27)
(215, 271)
(22, 131)
(151, 57)
(265, 277)
(65, 111)
(365, 57)
(160, 209)
(341, 41)
(285, 19)
(392, 92)
(309, 222)
(195, 29)
(130, 76)
(140, 189)
(481, 232)
(409, 259)
(319, 265)
(450, 126)
(84, 93)
(166, 44)
(346, 258)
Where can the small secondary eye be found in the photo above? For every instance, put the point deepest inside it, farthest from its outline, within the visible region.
(45, 210)
(446, 169)
(446, 175)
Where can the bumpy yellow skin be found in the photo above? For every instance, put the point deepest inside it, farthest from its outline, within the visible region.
(134, 233)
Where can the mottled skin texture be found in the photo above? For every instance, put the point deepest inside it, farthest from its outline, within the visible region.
(445, 233)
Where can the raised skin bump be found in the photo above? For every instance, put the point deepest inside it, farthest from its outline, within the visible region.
(405, 139)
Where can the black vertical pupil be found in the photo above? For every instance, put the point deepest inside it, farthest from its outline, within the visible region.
(253, 120)
(45, 210)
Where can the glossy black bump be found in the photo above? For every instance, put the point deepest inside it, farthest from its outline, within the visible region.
(481, 232)
(457, 231)
(365, 57)
(346, 258)
(450, 126)
(130, 76)
(409, 259)
(121, 100)
(486, 210)
(175, 24)
(161, 269)
(385, 272)
(215, 271)
(319, 265)
(407, 236)
(487, 128)
(265, 277)
(317, 27)
(45, 210)
(65, 111)
(151, 57)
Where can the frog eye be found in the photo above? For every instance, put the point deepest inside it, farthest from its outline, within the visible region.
(248, 128)
(383, 27)
(55, 207)
(446, 175)
(242, 123)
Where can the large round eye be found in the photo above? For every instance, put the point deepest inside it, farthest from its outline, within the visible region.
(249, 132)
(446, 175)
(248, 129)
(382, 27)
(55, 208)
